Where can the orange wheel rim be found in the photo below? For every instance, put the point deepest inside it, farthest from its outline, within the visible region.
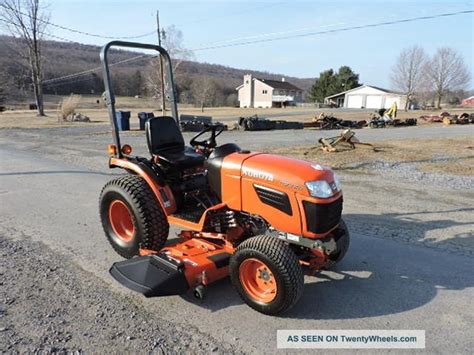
(258, 280)
(121, 220)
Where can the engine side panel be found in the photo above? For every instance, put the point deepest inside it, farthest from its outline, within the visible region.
(274, 213)
(230, 174)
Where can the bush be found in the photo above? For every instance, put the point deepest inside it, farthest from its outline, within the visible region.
(68, 106)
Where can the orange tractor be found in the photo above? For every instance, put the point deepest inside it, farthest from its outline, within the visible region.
(261, 218)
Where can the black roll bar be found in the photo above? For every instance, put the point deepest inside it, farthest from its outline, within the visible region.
(109, 96)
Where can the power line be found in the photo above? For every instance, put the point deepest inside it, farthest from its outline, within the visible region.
(45, 33)
(90, 71)
(72, 30)
(56, 84)
(59, 37)
(46, 22)
(345, 29)
(307, 34)
(246, 10)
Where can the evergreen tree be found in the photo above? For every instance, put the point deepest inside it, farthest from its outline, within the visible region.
(329, 83)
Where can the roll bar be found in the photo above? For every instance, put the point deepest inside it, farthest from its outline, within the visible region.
(109, 96)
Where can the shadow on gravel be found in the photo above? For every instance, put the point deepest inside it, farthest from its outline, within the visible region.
(57, 172)
(358, 288)
(413, 227)
(366, 289)
(219, 295)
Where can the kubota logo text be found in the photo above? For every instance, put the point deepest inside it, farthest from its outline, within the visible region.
(257, 174)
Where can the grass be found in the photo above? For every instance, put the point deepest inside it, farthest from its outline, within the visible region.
(448, 155)
(93, 107)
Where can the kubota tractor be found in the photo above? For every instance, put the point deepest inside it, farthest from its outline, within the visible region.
(260, 218)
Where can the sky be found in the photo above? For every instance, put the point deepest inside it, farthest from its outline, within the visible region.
(371, 52)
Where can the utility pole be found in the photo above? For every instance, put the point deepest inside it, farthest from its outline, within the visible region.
(162, 76)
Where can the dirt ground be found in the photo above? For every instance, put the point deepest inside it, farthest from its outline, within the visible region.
(450, 155)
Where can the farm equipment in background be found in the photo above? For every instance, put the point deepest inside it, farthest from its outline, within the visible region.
(255, 123)
(346, 138)
(261, 219)
(376, 122)
(464, 118)
(192, 123)
(448, 118)
(387, 118)
(324, 121)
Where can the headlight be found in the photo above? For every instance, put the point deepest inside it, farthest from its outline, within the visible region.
(319, 188)
(337, 182)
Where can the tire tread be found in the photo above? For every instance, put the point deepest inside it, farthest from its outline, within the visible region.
(285, 260)
(155, 224)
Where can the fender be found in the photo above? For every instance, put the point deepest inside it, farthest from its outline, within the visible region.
(162, 192)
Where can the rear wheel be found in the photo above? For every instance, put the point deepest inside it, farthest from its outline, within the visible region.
(131, 216)
(267, 274)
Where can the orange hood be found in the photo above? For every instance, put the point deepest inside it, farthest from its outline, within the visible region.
(285, 172)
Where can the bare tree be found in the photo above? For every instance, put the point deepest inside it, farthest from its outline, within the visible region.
(4, 86)
(172, 41)
(408, 71)
(446, 71)
(205, 91)
(27, 20)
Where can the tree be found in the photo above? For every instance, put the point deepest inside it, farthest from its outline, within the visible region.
(407, 73)
(136, 83)
(173, 43)
(446, 71)
(323, 86)
(232, 100)
(27, 20)
(206, 92)
(346, 79)
(329, 83)
(3, 94)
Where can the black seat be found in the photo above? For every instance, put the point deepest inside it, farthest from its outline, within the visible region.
(166, 142)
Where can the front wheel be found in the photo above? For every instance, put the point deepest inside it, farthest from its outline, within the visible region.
(267, 274)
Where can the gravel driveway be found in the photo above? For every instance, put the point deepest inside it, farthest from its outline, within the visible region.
(50, 304)
(409, 267)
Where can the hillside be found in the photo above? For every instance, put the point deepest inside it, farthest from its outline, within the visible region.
(62, 58)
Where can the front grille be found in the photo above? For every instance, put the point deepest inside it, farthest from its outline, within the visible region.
(274, 198)
(322, 217)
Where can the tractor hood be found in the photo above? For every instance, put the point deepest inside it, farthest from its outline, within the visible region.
(286, 173)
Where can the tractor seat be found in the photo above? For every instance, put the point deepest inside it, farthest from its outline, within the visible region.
(166, 142)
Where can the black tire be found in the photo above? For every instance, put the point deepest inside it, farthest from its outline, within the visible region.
(150, 226)
(284, 267)
(343, 242)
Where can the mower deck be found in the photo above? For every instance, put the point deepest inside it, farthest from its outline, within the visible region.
(188, 263)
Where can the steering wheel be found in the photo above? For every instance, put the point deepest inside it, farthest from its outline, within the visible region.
(215, 129)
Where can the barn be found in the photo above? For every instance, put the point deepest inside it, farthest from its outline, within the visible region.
(366, 96)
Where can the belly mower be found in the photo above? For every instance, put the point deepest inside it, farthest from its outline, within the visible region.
(261, 219)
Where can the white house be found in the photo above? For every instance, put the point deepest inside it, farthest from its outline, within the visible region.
(256, 92)
(366, 96)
